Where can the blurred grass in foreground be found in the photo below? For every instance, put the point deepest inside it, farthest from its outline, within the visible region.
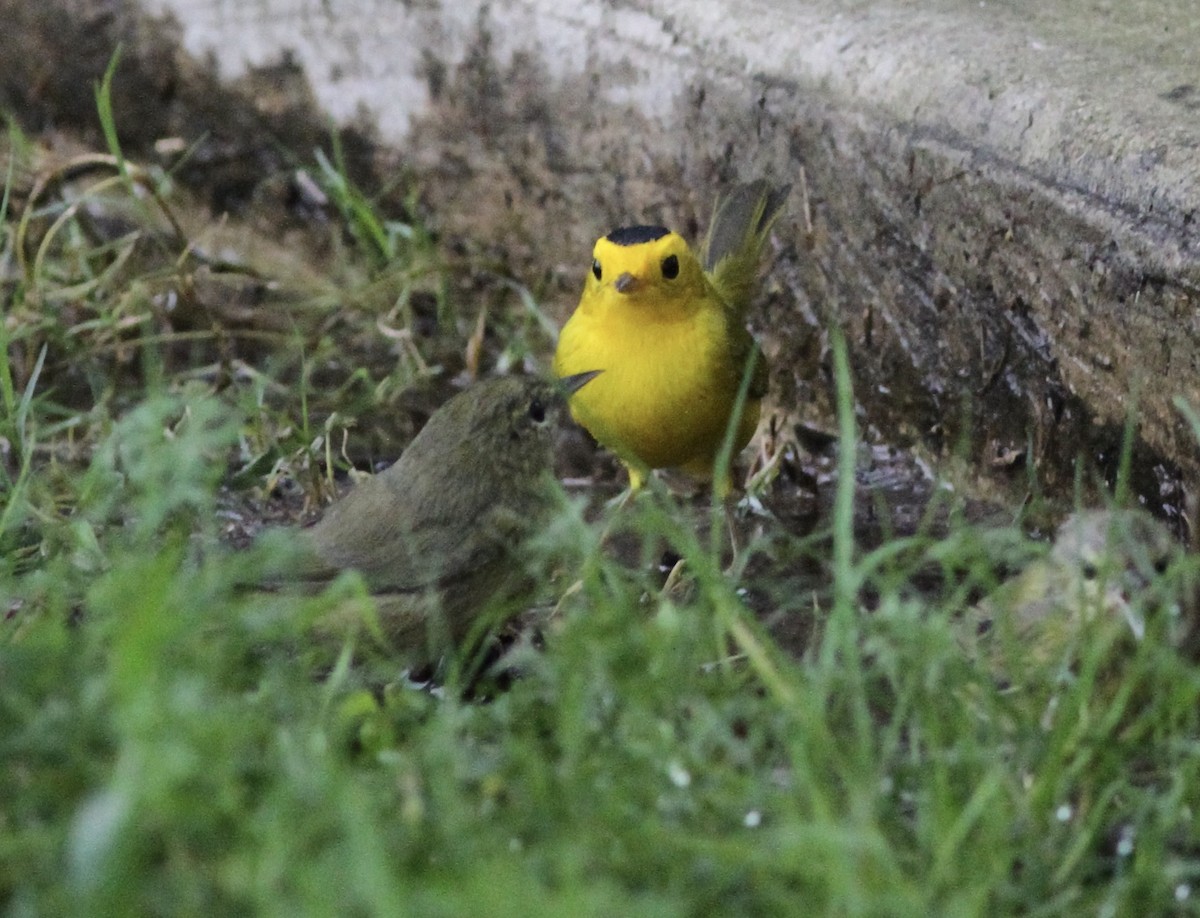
(169, 745)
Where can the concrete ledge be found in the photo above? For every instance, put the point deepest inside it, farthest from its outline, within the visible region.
(1004, 201)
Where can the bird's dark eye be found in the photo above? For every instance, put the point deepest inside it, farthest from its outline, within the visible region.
(596, 272)
(670, 267)
(1161, 565)
(537, 411)
(1090, 571)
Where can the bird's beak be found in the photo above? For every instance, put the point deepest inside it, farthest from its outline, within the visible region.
(572, 384)
(626, 283)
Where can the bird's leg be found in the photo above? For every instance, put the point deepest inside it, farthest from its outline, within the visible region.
(637, 477)
(613, 506)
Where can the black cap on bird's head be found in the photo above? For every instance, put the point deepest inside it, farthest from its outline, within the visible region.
(636, 235)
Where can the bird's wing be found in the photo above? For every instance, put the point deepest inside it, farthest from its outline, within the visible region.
(741, 346)
(403, 531)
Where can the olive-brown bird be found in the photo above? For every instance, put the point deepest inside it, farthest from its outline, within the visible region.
(435, 536)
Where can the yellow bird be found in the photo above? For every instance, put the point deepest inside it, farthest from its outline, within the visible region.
(665, 324)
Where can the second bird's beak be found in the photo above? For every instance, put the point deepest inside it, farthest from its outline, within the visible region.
(626, 283)
(572, 384)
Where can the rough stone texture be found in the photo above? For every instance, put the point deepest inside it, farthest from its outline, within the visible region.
(1003, 200)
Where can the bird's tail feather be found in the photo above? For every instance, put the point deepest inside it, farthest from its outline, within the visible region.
(736, 235)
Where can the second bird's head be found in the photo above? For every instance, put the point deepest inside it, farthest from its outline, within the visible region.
(645, 266)
(505, 420)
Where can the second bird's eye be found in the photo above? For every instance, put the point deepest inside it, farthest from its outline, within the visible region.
(537, 411)
(670, 267)
(1090, 572)
(596, 268)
